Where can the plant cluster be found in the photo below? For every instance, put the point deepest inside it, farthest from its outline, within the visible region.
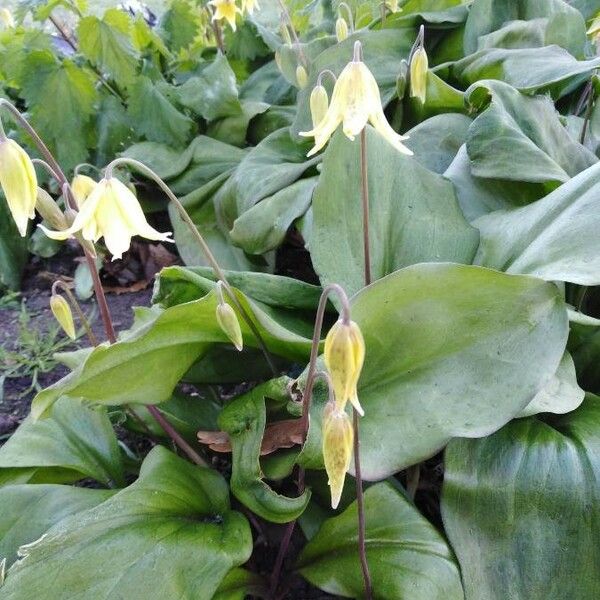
(439, 162)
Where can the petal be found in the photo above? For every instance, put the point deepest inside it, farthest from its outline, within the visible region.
(381, 125)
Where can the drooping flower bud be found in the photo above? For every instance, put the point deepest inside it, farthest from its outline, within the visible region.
(341, 29)
(49, 210)
(285, 34)
(301, 77)
(82, 186)
(228, 322)
(62, 313)
(18, 182)
(319, 103)
(111, 211)
(344, 356)
(338, 439)
(419, 65)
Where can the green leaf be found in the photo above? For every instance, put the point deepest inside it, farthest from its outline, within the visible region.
(213, 93)
(13, 249)
(180, 24)
(265, 225)
(72, 443)
(244, 420)
(274, 164)
(175, 515)
(114, 129)
(563, 24)
(521, 508)
(108, 45)
(414, 216)
(238, 584)
(234, 129)
(520, 138)
(28, 511)
(407, 557)
(451, 350)
(146, 363)
(154, 117)
(436, 141)
(555, 238)
(61, 98)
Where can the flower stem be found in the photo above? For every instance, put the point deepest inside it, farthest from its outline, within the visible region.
(218, 33)
(142, 168)
(365, 204)
(362, 549)
(288, 18)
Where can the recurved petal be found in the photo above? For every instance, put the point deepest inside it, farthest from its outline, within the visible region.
(381, 125)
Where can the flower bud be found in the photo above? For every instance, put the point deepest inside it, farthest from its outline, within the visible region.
(301, 76)
(82, 186)
(278, 60)
(338, 439)
(62, 313)
(18, 182)
(341, 29)
(228, 322)
(418, 74)
(49, 210)
(285, 34)
(319, 103)
(6, 18)
(344, 356)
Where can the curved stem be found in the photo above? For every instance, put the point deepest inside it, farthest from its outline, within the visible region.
(73, 301)
(47, 168)
(326, 72)
(288, 18)
(348, 14)
(142, 168)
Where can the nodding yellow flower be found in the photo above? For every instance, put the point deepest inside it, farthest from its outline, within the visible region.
(301, 76)
(111, 211)
(249, 6)
(344, 356)
(228, 322)
(341, 29)
(338, 439)
(355, 100)
(62, 313)
(18, 182)
(82, 186)
(225, 9)
(6, 18)
(419, 64)
(319, 103)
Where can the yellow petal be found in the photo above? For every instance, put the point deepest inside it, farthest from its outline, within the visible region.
(228, 322)
(82, 186)
(62, 313)
(419, 65)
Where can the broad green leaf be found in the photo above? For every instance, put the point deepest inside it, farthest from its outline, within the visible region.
(175, 515)
(107, 44)
(289, 55)
(519, 138)
(436, 141)
(238, 584)
(114, 130)
(407, 557)
(561, 394)
(382, 50)
(548, 69)
(521, 508)
(13, 249)
(154, 117)
(233, 129)
(74, 442)
(440, 13)
(28, 511)
(16, 50)
(451, 350)
(555, 238)
(274, 164)
(478, 196)
(244, 420)
(146, 363)
(213, 92)
(180, 24)
(564, 25)
(264, 226)
(440, 98)
(414, 215)
(60, 97)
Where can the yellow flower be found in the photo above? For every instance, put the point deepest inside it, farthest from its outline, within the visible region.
(418, 74)
(338, 438)
(355, 101)
(82, 186)
(62, 312)
(225, 9)
(111, 211)
(249, 6)
(228, 322)
(319, 103)
(18, 182)
(6, 18)
(344, 356)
